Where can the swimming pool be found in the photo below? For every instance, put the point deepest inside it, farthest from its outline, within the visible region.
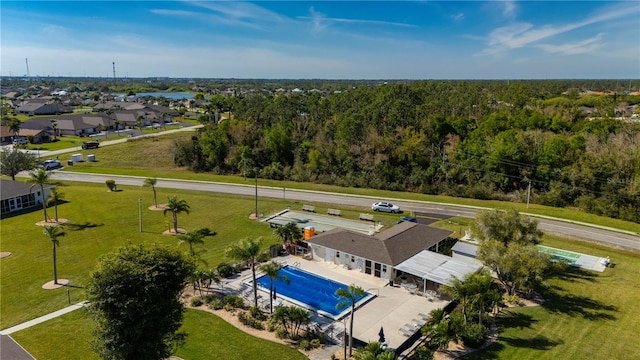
(309, 290)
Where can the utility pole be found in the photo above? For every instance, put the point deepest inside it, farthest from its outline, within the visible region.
(528, 193)
(255, 170)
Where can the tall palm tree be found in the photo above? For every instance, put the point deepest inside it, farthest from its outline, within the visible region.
(247, 250)
(54, 126)
(176, 207)
(152, 182)
(481, 287)
(14, 126)
(271, 269)
(191, 238)
(288, 233)
(164, 115)
(54, 232)
(350, 296)
(116, 123)
(54, 198)
(40, 178)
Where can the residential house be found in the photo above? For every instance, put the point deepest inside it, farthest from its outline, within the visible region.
(405, 249)
(31, 107)
(77, 124)
(17, 195)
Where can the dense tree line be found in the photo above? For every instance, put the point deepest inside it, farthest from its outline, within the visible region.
(473, 139)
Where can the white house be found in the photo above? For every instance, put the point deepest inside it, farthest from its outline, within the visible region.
(16, 195)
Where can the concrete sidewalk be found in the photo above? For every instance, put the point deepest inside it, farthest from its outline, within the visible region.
(43, 318)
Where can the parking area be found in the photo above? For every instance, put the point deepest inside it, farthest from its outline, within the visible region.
(322, 223)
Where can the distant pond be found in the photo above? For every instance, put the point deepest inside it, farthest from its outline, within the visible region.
(168, 95)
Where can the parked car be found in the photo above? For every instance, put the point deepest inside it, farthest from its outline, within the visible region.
(90, 145)
(407, 219)
(51, 164)
(385, 207)
(20, 141)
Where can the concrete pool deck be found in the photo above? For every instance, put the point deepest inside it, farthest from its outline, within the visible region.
(391, 308)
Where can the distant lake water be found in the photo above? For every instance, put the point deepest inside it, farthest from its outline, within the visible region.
(168, 95)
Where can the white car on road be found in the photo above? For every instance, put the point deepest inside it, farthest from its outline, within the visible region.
(51, 164)
(385, 207)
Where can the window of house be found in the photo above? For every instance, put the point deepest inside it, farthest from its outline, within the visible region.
(337, 254)
(384, 269)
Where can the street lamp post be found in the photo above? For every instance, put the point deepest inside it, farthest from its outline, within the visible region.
(255, 170)
(140, 214)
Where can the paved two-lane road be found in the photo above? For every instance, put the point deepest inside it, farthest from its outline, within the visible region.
(572, 229)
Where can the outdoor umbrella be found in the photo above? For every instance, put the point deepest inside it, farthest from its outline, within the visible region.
(382, 340)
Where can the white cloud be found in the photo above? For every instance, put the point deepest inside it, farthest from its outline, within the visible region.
(509, 9)
(518, 35)
(580, 47)
(458, 17)
(320, 21)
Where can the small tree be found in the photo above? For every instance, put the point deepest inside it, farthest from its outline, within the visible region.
(134, 299)
(53, 233)
(14, 161)
(176, 207)
(191, 238)
(271, 269)
(247, 250)
(40, 178)
(152, 182)
(111, 184)
(54, 198)
(350, 296)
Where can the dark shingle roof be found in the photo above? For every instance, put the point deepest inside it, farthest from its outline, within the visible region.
(390, 247)
(10, 189)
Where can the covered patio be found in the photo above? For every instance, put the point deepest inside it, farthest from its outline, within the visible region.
(432, 270)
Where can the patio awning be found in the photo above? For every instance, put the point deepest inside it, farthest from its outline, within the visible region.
(437, 267)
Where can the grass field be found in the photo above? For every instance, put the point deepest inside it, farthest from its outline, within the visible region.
(101, 221)
(209, 337)
(154, 157)
(587, 315)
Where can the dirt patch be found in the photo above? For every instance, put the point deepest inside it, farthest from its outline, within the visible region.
(50, 285)
(253, 216)
(173, 232)
(52, 222)
(160, 207)
(4, 254)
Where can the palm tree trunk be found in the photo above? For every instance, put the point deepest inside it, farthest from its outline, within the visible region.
(175, 222)
(255, 286)
(155, 201)
(55, 271)
(44, 204)
(56, 207)
(353, 308)
(271, 296)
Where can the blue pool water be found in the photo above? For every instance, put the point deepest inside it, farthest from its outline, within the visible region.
(309, 289)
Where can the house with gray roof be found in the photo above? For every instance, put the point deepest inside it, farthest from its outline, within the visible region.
(405, 252)
(16, 196)
(40, 108)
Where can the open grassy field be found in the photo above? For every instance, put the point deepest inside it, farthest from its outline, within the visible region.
(209, 337)
(101, 221)
(154, 157)
(587, 315)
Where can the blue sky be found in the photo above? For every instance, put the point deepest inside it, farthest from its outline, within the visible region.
(323, 39)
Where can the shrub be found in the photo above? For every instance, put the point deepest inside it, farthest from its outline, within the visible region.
(233, 301)
(271, 327)
(513, 299)
(304, 345)
(225, 270)
(257, 314)
(281, 333)
(422, 353)
(315, 343)
(474, 335)
(228, 307)
(264, 257)
(111, 184)
(196, 301)
(249, 321)
(216, 304)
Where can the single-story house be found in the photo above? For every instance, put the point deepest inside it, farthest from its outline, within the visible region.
(77, 124)
(17, 195)
(6, 135)
(465, 251)
(392, 254)
(39, 108)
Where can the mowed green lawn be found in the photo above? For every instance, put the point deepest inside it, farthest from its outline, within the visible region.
(587, 315)
(209, 337)
(100, 222)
